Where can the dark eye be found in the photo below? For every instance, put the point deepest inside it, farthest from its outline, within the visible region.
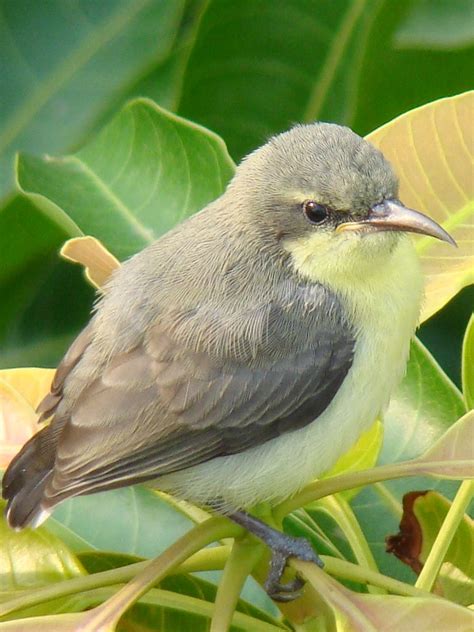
(316, 213)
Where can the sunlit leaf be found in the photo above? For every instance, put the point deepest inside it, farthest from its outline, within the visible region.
(33, 558)
(468, 364)
(356, 612)
(98, 262)
(456, 585)
(453, 453)
(21, 390)
(432, 150)
(146, 171)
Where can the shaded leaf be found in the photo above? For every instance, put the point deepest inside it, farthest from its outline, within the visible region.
(98, 262)
(468, 364)
(131, 520)
(50, 71)
(444, 24)
(182, 169)
(303, 56)
(432, 151)
(423, 407)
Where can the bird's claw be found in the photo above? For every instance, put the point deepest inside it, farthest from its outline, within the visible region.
(286, 548)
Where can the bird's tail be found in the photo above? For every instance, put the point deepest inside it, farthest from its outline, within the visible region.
(25, 480)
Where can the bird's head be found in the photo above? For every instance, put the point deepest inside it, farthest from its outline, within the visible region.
(329, 197)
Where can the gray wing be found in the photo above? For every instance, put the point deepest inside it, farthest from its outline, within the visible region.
(202, 385)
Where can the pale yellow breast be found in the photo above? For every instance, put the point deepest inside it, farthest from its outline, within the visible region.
(383, 303)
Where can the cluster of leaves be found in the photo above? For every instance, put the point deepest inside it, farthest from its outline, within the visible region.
(427, 406)
(244, 69)
(144, 172)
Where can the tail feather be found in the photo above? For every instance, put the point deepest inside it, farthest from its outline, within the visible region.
(25, 480)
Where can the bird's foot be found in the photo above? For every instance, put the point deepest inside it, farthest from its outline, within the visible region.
(283, 547)
(282, 550)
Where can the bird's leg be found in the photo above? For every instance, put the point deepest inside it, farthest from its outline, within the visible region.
(282, 547)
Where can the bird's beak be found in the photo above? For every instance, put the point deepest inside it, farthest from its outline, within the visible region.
(392, 215)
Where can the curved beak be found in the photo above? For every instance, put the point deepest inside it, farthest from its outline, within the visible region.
(392, 215)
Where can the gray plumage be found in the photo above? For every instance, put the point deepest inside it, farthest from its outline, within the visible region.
(208, 342)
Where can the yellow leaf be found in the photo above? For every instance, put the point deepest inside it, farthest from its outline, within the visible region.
(98, 262)
(21, 390)
(432, 151)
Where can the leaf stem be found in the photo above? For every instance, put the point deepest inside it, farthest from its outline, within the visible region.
(243, 557)
(353, 572)
(204, 560)
(429, 573)
(107, 615)
(341, 511)
(327, 486)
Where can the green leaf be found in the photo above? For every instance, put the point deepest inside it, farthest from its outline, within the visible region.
(189, 585)
(468, 364)
(132, 520)
(37, 324)
(422, 408)
(33, 558)
(303, 56)
(180, 170)
(450, 457)
(444, 24)
(56, 80)
(345, 611)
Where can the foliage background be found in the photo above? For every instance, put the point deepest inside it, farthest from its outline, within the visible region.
(245, 70)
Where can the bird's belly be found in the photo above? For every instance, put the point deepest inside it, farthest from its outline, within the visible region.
(278, 468)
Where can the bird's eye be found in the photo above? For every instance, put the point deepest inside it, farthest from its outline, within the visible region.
(316, 213)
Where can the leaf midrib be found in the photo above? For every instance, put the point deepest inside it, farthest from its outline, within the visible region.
(70, 66)
(139, 228)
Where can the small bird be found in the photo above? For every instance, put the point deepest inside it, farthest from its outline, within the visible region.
(236, 358)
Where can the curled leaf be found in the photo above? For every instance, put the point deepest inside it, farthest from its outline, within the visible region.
(88, 251)
(432, 151)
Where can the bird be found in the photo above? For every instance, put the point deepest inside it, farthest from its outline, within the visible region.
(237, 357)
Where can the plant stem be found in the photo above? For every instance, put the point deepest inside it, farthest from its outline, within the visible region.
(346, 570)
(204, 560)
(429, 573)
(155, 597)
(107, 615)
(327, 486)
(340, 510)
(243, 557)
